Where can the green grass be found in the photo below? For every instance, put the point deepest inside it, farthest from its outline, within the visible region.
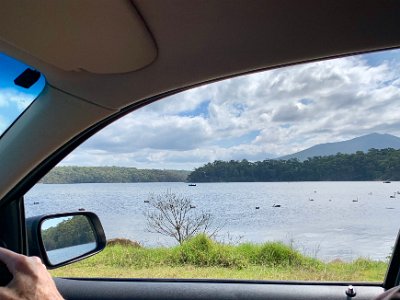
(202, 257)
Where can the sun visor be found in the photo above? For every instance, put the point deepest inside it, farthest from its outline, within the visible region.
(98, 36)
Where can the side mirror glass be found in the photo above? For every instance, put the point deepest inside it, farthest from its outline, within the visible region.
(65, 238)
(62, 239)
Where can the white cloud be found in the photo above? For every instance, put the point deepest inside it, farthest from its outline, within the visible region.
(13, 97)
(286, 110)
(153, 131)
(12, 104)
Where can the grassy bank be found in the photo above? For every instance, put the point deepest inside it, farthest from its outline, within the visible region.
(201, 257)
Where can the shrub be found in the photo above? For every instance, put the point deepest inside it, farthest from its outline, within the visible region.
(278, 254)
(204, 252)
(175, 216)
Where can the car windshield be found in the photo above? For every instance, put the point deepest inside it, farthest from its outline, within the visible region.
(19, 87)
(288, 174)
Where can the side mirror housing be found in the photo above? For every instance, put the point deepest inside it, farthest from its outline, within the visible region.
(62, 239)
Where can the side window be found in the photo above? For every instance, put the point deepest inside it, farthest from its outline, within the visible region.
(19, 87)
(288, 174)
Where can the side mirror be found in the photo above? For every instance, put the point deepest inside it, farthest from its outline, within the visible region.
(65, 238)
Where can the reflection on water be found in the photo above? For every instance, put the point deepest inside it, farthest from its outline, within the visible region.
(61, 255)
(318, 218)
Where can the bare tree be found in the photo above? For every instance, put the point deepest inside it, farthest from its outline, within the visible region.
(176, 216)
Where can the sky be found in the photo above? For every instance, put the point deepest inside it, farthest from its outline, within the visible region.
(254, 117)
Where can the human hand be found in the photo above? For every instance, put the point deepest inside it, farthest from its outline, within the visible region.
(31, 279)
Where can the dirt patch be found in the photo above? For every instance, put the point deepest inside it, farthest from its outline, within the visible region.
(124, 242)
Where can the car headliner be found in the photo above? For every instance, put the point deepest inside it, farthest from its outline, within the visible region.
(190, 43)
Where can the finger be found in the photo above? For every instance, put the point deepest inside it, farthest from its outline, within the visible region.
(36, 259)
(5, 293)
(38, 262)
(9, 258)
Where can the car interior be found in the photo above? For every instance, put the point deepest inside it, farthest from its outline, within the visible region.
(104, 59)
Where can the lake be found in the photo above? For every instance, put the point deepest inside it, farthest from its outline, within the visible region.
(327, 220)
(63, 254)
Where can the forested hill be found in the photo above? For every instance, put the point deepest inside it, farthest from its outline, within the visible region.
(376, 164)
(112, 175)
(361, 143)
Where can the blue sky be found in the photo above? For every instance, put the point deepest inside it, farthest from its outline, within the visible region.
(255, 117)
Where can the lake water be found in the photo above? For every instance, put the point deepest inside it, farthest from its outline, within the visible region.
(61, 255)
(329, 227)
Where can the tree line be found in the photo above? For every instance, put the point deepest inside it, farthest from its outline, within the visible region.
(70, 232)
(75, 174)
(383, 164)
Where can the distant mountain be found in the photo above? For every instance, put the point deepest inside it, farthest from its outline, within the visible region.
(362, 143)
